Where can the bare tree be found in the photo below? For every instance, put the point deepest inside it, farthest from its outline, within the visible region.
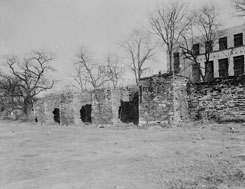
(112, 70)
(188, 40)
(28, 77)
(11, 97)
(240, 7)
(88, 70)
(204, 31)
(208, 26)
(80, 82)
(139, 50)
(168, 23)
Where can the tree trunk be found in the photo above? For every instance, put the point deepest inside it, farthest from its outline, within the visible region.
(27, 110)
(170, 61)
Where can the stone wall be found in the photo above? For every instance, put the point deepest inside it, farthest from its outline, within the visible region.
(181, 110)
(102, 106)
(219, 100)
(116, 97)
(68, 104)
(105, 104)
(80, 100)
(168, 99)
(44, 107)
(66, 108)
(163, 99)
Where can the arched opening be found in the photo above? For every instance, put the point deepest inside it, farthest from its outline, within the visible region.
(56, 113)
(85, 113)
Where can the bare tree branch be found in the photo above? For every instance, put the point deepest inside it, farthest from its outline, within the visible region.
(168, 22)
(139, 50)
(28, 77)
(113, 71)
(204, 31)
(239, 5)
(87, 70)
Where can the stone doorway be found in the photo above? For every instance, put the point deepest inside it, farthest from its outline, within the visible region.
(129, 111)
(56, 113)
(85, 113)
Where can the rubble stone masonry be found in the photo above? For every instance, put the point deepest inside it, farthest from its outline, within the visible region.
(66, 106)
(160, 99)
(163, 99)
(221, 100)
(44, 107)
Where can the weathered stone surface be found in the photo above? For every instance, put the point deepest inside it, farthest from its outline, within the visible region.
(43, 108)
(79, 100)
(104, 103)
(163, 99)
(220, 100)
(101, 106)
(66, 109)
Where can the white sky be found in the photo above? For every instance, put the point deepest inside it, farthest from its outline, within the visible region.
(62, 26)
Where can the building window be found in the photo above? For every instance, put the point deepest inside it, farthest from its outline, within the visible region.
(209, 46)
(238, 65)
(223, 67)
(238, 40)
(222, 43)
(196, 49)
(176, 62)
(209, 70)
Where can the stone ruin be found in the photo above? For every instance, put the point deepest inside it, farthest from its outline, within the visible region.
(163, 99)
(160, 99)
(102, 106)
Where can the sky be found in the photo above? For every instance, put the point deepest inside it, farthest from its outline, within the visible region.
(63, 26)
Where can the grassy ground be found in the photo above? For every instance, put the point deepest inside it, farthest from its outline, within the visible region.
(210, 156)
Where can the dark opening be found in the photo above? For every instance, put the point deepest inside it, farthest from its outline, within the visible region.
(56, 113)
(129, 111)
(209, 70)
(85, 113)
(140, 94)
(222, 43)
(223, 67)
(209, 46)
(176, 62)
(196, 49)
(238, 40)
(238, 65)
